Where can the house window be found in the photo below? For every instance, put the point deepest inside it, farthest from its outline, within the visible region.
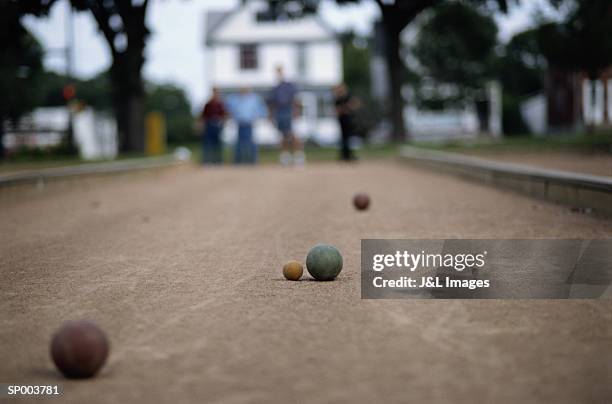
(325, 106)
(248, 57)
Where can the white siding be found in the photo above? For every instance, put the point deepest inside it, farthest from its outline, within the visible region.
(226, 71)
(324, 63)
(223, 60)
(593, 109)
(275, 54)
(533, 111)
(609, 100)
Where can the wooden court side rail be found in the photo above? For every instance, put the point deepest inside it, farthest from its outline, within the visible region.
(48, 174)
(583, 191)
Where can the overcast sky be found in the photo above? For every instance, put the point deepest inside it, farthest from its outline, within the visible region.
(175, 51)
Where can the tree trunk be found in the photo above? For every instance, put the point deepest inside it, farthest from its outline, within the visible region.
(126, 70)
(2, 151)
(396, 16)
(69, 146)
(395, 67)
(128, 95)
(129, 110)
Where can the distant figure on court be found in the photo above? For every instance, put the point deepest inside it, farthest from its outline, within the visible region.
(246, 108)
(346, 105)
(283, 107)
(213, 117)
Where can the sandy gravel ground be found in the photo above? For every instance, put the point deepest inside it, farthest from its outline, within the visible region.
(182, 268)
(595, 164)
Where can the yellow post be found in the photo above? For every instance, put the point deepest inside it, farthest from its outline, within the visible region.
(155, 127)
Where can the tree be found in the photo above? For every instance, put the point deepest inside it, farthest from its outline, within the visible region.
(522, 65)
(396, 15)
(456, 45)
(584, 41)
(581, 43)
(95, 92)
(122, 23)
(455, 49)
(521, 71)
(173, 103)
(356, 72)
(20, 68)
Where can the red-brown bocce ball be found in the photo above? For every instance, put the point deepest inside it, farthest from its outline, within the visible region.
(361, 201)
(79, 349)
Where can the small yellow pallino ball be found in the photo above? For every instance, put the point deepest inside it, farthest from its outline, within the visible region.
(293, 270)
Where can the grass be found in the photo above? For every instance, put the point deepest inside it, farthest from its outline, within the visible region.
(267, 155)
(270, 155)
(583, 143)
(38, 161)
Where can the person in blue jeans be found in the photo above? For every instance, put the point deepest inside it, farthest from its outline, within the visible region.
(213, 117)
(245, 108)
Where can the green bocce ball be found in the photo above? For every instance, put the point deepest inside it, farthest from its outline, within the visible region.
(324, 262)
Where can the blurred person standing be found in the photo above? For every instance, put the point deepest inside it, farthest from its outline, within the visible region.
(346, 105)
(213, 117)
(245, 108)
(283, 108)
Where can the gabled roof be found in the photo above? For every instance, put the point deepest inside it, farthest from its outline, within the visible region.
(241, 25)
(213, 19)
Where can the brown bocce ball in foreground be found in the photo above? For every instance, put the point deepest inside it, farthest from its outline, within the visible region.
(361, 201)
(79, 349)
(293, 270)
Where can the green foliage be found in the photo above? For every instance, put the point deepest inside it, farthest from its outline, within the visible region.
(396, 15)
(521, 71)
(456, 46)
(356, 58)
(20, 67)
(523, 66)
(600, 142)
(51, 88)
(173, 103)
(356, 72)
(584, 41)
(513, 123)
(96, 92)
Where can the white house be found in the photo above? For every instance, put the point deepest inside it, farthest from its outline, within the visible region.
(245, 45)
(569, 101)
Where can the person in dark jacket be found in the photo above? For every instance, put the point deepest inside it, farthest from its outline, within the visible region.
(346, 105)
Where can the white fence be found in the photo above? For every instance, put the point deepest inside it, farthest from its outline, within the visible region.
(95, 132)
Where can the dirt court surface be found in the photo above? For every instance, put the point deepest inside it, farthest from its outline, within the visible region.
(182, 269)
